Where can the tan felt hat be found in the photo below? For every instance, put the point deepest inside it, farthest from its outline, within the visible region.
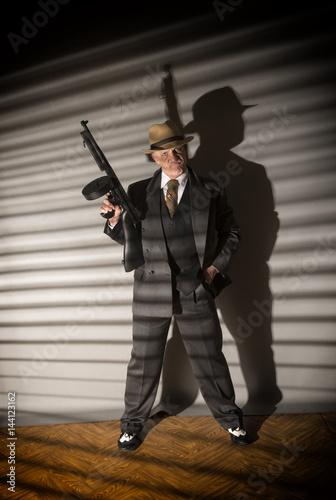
(165, 136)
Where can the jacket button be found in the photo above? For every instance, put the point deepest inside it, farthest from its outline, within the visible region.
(147, 251)
(123, 262)
(151, 272)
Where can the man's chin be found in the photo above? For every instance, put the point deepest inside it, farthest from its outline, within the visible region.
(174, 170)
(178, 168)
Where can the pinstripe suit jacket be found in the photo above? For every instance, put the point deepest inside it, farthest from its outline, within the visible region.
(216, 236)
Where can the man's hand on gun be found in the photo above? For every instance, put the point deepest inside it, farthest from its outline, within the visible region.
(109, 207)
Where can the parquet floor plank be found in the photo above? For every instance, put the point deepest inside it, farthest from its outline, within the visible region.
(330, 420)
(293, 457)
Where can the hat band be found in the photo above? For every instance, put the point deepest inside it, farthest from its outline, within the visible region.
(156, 145)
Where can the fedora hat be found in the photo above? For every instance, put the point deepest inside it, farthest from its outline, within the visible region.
(165, 136)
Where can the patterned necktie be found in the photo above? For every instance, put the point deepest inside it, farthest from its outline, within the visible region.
(171, 197)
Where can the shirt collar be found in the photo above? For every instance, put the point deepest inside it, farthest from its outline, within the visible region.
(182, 179)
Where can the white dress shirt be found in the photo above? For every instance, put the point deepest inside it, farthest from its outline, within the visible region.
(182, 180)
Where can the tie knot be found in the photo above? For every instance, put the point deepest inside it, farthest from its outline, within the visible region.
(173, 184)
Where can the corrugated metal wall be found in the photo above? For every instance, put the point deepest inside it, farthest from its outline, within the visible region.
(65, 301)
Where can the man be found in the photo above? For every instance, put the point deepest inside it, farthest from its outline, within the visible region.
(188, 235)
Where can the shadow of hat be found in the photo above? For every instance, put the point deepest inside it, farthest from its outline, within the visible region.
(216, 106)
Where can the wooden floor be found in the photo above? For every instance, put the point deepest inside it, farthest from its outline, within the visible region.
(292, 457)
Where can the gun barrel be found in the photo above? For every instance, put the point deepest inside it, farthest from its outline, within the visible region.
(99, 185)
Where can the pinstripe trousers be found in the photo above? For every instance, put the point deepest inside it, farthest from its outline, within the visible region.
(198, 322)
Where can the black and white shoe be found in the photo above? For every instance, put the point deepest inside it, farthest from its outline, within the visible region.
(128, 442)
(239, 436)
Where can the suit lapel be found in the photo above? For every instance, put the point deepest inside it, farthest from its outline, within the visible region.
(200, 206)
(153, 216)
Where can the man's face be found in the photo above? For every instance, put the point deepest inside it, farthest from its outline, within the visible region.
(172, 161)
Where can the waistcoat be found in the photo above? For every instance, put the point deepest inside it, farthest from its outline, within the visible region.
(180, 242)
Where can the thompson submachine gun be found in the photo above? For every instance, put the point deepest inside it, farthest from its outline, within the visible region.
(110, 186)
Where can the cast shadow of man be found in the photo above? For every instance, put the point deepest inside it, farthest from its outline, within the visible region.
(245, 305)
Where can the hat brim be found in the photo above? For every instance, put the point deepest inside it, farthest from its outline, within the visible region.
(169, 145)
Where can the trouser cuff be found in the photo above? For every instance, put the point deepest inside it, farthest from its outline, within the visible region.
(131, 427)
